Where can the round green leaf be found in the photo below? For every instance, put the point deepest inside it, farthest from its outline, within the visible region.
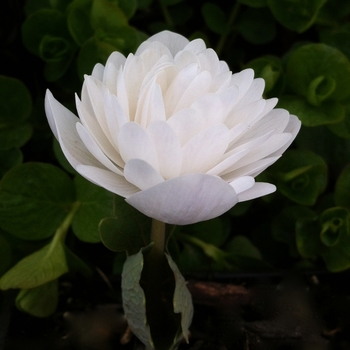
(40, 195)
(308, 237)
(127, 231)
(45, 24)
(78, 20)
(301, 176)
(342, 128)
(96, 204)
(296, 15)
(329, 112)
(9, 159)
(5, 255)
(215, 18)
(257, 26)
(269, 68)
(15, 102)
(318, 72)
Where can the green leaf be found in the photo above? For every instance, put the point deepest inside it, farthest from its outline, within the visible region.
(241, 245)
(307, 237)
(318, 72)
(182, 302)
(127, 231)
(335, 236)
(301, 176)
(78, 20)
(342, 128)
(134, 300)
(338, 38)
(9, 159)
(40, 301)
(296, 15)
(15, 102)
(43, 26)
(213, 231)
(284, 225)
(96, 204)
(40, 195)
(269, 68)
(329, 112)
(215, 18)
(257, 26)
(15, 136)
(107, 16)
(128, 7)
(43, 266)
(93, 51)
(342, 188)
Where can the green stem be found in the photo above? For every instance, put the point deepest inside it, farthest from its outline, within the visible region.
(166, 14)
(61, 232)
(231, 19)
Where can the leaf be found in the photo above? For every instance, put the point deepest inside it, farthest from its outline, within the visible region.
(78, 21)
(335, 236)
(43, 266)
(46, 23)
(213, 231)
(40, 194)
(9, 159)
(307, 237)
(257, 26)
(13, 91)
(301, 176)
(134, 300)
(296, 15)
(15, 136)
(329, 112)
(125, 231)
(269, 68)
(96, 204)
(182, 302)
(342, 188)
(215, 18)
(40, 301)
(241, 245)
(318, 72)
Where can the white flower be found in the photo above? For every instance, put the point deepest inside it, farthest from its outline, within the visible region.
(172, 130)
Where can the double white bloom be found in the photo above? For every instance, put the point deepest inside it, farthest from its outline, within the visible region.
(172, 130)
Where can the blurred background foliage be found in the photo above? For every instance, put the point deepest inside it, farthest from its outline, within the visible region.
(49, 215)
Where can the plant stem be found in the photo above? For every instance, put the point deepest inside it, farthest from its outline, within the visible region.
(231, 19)
(158, 238)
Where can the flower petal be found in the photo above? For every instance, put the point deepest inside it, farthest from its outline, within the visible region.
(95, 150)
(168, 149)
(258, 190)
(141, 174)
(108, 180)
(135, 143)
(62, 122)
(242, 184)
(185, 199)
(173, 41)
(205, 150)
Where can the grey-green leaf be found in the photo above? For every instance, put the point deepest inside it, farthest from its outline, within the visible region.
(134, 302)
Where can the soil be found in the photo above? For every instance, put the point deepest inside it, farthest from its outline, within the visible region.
(241, 312)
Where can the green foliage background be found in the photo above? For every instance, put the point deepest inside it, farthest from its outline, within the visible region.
(50, 216)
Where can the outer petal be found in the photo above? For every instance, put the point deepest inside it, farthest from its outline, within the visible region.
(108, 180)
(175, 42)
(186, 199)
(62, 122)
(258, 190)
